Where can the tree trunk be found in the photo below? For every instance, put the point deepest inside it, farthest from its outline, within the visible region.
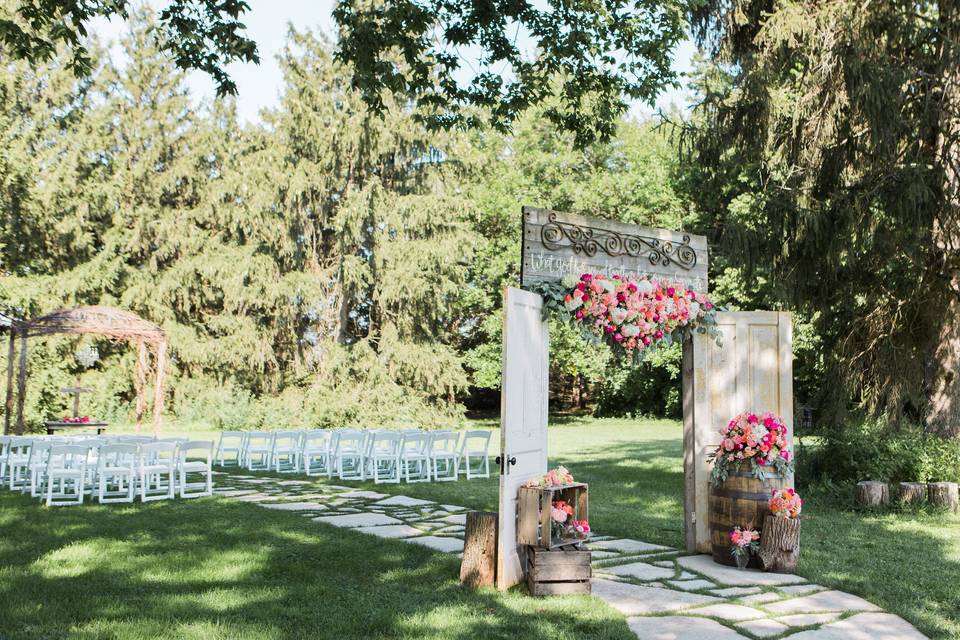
(22, 381)
(871, 493)
(479, 565)
(912, 492)
(943, 365)
(944, 495)
(780, 544)
(8, 406)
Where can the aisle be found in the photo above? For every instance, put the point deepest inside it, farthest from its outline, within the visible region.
(663, 594)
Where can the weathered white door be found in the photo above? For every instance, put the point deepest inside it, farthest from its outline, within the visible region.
(524, 393)
(751, 370)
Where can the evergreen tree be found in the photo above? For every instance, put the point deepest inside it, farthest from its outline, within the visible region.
(831, 138)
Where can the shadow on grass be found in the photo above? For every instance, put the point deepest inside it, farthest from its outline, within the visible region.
(212, 568)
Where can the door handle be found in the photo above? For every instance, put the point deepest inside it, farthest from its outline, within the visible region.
(505, 468)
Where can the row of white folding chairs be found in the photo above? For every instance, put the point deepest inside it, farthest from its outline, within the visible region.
(112, 468)
(360, 454)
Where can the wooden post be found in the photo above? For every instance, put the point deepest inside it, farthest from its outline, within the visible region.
(912, 492)
(141, 381)
(944, 495)
(780, 544)
(479, 565)
(22, 381)
(871, 493)
(158, 391)
(8, 406)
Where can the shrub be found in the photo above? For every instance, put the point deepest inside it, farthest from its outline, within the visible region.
(872, 451)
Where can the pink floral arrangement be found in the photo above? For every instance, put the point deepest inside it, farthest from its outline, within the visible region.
(743, 543)
(563, 522)
(785, 503)
(630, 314)
(552, 478)
(760, 441)
(78, 420)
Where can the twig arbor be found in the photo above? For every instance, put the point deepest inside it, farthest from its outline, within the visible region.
(105, 321)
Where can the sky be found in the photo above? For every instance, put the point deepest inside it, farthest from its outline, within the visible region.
(268, 22)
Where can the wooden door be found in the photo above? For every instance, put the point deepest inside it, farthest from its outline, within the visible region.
(751, 370)
(524, 392)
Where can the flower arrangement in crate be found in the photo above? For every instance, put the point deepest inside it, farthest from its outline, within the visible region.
(552, 510)
(757, 441)
(743, 544)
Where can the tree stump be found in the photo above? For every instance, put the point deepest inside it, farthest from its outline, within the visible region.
(944, 495)
(479, 565)
(780, 544)
(912, 492)
(871, 493)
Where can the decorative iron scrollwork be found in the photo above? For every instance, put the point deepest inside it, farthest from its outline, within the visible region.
(588, 240)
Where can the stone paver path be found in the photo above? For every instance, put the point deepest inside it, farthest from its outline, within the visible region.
(664, 595)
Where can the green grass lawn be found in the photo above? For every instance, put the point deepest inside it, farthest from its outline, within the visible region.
(211, 568)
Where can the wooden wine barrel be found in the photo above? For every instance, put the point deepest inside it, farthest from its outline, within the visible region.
(741, 501)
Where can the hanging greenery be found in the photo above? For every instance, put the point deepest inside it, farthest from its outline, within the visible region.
(629, 314)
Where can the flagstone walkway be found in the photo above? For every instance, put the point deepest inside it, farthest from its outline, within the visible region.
(663, 594)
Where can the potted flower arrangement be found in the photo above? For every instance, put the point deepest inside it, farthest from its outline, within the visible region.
(758, 442)
(629, 314)
(743, 544)
(780, 549)
(552, 510)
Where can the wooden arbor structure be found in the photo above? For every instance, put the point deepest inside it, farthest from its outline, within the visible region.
(105, 321)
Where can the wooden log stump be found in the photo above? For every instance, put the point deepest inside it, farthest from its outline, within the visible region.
(479, 565)
(912, 492)
(780, 544)
(871, 493)
(944, 495)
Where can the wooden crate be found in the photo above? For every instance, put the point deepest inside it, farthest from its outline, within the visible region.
(558, 571)
(533, 513)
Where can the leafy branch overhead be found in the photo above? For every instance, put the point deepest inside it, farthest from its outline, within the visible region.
(205, 35)
(590, 56)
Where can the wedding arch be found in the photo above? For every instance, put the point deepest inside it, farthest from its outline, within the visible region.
(148, 338)
(743, 361)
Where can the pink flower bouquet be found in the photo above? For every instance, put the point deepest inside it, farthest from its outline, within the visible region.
(743, 544)
(552, 478)
(757, 441)
(785, 503)
(629, 314)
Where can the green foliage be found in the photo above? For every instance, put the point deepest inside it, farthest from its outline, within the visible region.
(870, 450)
(198, 34)
(588, 57)
(652, 388)
(825, 154)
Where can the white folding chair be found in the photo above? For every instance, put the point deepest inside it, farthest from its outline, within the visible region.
(66, 466)
(155, 460)
(348, 455)
(117, 472)
(195, 456)
(285, 451)
(415, 452)
(384, 456)
(444, 455)
(315, 452)
(475, 446)
(256, 452)
(37, 465)
(231, 442)
(18, 461)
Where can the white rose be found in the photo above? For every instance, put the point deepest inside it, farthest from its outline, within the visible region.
(575, 303)
(618, 315)
(569, 281)
(644, 286)
(694, 309)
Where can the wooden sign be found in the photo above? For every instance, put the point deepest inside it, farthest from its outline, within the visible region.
(556, 244)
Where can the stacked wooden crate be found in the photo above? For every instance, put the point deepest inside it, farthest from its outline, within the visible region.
(553, 566)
